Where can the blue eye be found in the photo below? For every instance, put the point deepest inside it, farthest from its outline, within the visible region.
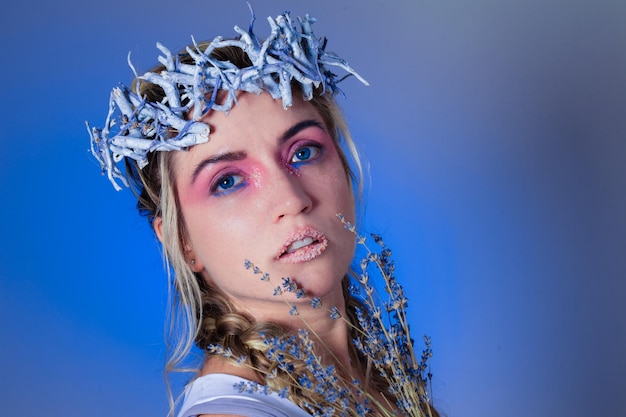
(304, 154)
(228, 183)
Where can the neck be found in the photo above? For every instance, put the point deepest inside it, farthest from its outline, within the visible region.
(329, 334)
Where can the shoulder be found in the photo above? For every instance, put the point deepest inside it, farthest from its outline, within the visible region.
(223, 394)
(218, 415)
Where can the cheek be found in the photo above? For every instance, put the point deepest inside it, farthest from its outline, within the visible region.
(340, 183)
(219, 228)
(219, 241)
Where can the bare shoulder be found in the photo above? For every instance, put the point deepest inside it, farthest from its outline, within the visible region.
(217, 365)
(219, 415)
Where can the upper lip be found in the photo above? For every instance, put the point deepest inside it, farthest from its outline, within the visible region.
(301, 238)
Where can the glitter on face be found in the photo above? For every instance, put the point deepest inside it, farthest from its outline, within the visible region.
(255, 177)
(302, 246)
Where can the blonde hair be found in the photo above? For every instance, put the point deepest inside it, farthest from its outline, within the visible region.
(199, 314)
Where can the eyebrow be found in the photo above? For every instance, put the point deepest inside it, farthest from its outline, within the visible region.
(238, 156)
(225, 157)
(295, 129)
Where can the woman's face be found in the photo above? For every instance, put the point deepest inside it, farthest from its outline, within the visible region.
(266, 188)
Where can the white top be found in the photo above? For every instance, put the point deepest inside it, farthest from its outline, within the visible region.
(216, 394)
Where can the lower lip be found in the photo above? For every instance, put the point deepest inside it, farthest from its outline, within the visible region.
(305, 254)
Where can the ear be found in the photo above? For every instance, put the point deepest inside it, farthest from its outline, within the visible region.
(190, 255)
(192, 260)
(157, 225)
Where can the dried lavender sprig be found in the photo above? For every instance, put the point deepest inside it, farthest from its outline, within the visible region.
(388, 343)
(388, 346)
(325, 378)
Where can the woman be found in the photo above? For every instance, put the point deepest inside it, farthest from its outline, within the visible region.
(236, 152)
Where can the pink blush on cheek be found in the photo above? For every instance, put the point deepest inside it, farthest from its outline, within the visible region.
(192, 195)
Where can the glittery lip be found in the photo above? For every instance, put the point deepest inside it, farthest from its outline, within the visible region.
(302, 246)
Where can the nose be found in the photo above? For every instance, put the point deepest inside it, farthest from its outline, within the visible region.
(288, 195)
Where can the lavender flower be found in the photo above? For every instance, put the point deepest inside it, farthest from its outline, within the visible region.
(382, 336)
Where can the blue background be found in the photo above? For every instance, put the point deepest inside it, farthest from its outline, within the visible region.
(496, 135)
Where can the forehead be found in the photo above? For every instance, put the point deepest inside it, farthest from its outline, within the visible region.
(254, 120)
(254, 112)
